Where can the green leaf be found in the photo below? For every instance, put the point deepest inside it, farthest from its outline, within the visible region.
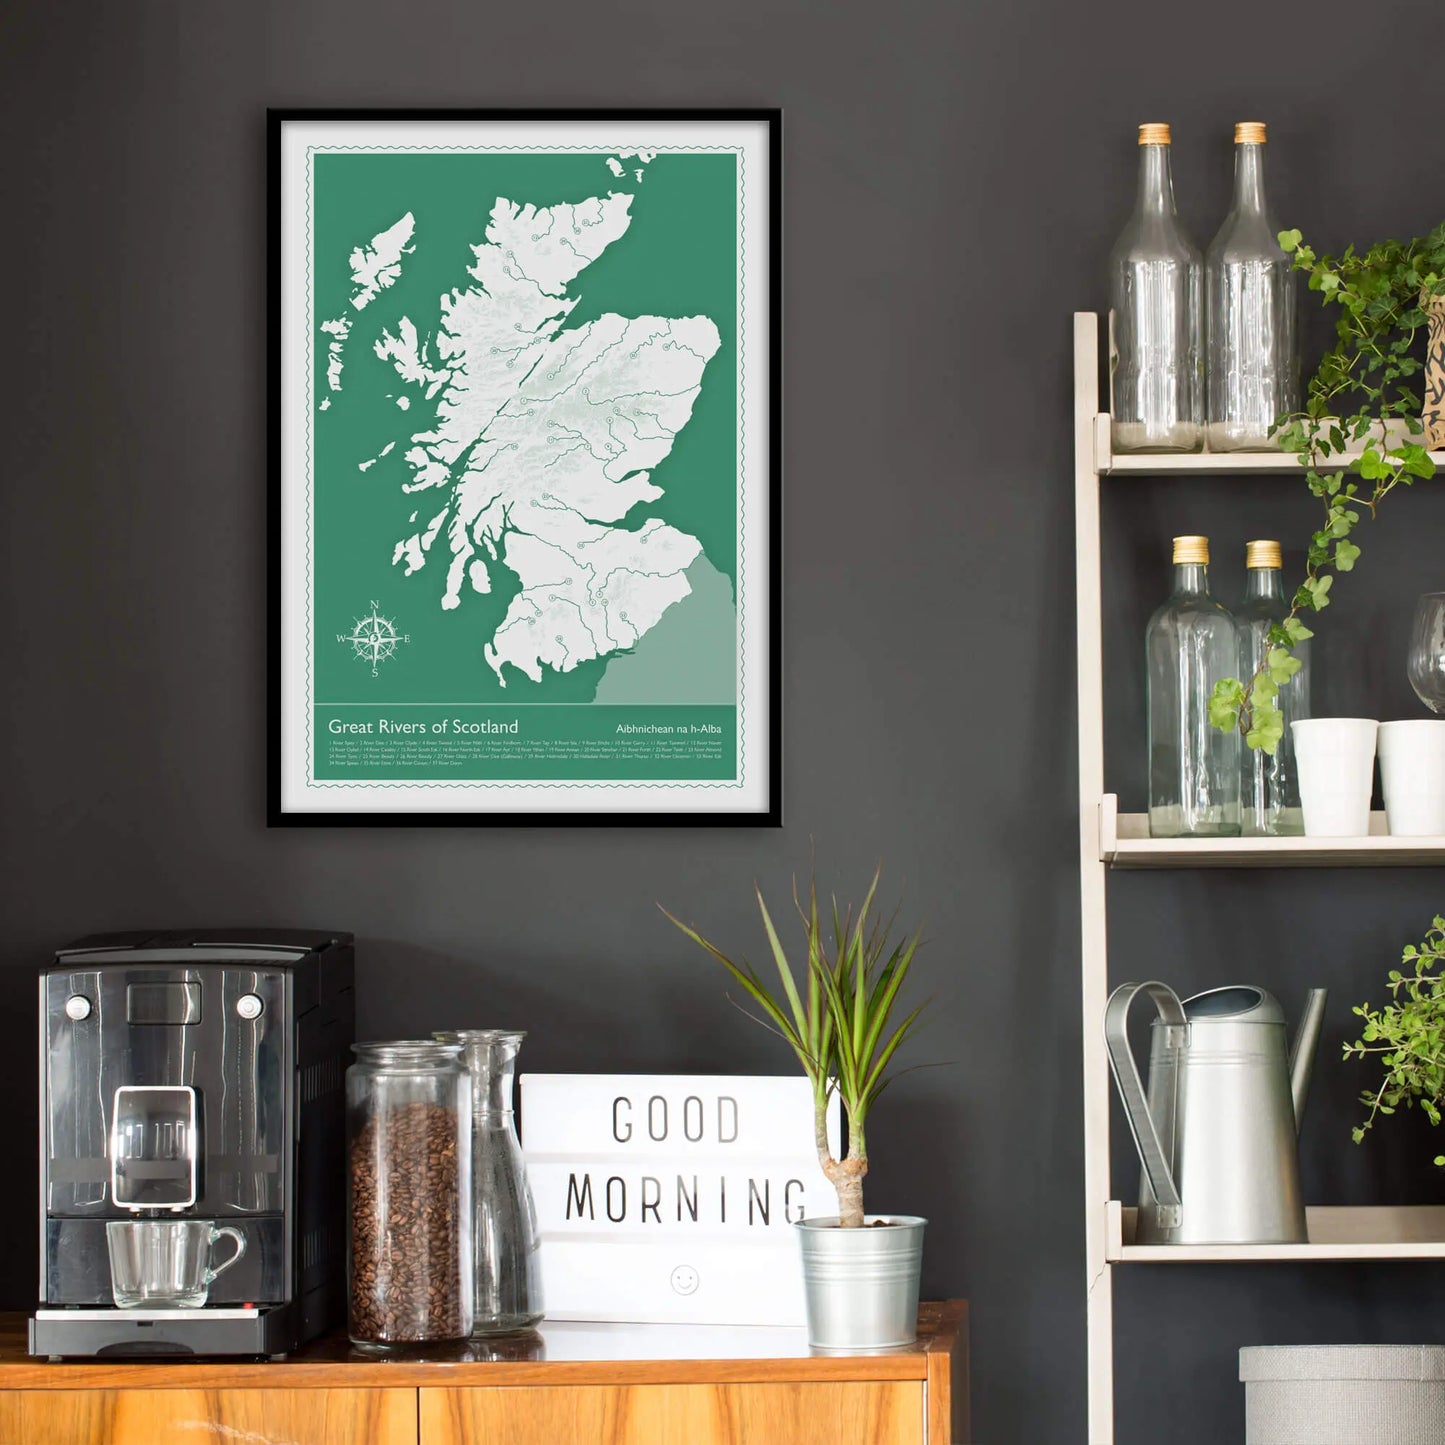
(814, 1065)
(1289, 436)
(881, 1004)
(785, 970)
(1282, 665)
(1317, 589)
(1345, 554)
(1224, 704)
(1415, 459)
(1289, 240)
(875, 1079)
(1296, 630)
(1267, 727)
(1371, 466)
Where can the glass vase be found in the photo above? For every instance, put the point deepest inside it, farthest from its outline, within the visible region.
(507, 1295)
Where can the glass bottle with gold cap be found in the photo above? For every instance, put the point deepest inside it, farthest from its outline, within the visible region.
(1194, 769)
(1156, 298)
(1271, 802)
(1253, 367)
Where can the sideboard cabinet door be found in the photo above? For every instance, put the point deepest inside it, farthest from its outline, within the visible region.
(842, 1413)
(207, 1417)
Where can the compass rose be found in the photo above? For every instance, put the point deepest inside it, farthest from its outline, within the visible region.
(374, 638)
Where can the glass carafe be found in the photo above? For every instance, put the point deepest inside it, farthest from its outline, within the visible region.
(1193, 767)
(1156, 283)
(1253, 367)
(506, 1263)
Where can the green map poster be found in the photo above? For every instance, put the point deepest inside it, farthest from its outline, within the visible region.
(525, 467)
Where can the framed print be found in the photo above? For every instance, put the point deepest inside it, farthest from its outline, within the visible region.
(525, 520)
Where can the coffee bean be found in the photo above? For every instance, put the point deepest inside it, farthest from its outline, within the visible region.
(406, 1227)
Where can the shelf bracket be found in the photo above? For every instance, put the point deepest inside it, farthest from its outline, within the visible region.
(1103, 442)
(1108, 827)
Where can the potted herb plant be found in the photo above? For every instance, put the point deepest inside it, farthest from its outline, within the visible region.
(1408, 1036)
(836, 1009)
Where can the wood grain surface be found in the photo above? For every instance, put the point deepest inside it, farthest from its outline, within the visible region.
(621, 1355)
(840, 1413)
(208, 1417)
(617, 1386)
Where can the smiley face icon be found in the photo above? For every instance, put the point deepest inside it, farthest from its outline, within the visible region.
(684, 1279)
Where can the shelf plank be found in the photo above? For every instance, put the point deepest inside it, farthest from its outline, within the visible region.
(1207, 464)
(1124, 842)
(1335, 1233)
(1214, 464)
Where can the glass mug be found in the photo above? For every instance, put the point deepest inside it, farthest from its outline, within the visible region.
(166, 1263)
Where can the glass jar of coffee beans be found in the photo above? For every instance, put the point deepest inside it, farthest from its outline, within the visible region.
(409, 1247)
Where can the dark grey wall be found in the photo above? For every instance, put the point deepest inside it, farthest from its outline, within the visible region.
(954, 177)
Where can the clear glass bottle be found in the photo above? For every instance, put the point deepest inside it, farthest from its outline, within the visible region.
(1251, 298)
(409, 1188)
(1271, 801)
(507, 1266)
(1156, 285)
(1193, 767)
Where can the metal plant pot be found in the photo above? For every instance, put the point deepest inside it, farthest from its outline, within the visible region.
(862, 1284)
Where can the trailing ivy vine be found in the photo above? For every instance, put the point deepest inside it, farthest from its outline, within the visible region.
(1382, 295)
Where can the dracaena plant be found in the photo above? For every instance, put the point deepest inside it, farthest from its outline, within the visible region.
(836, 1009)
(1408, 1035)
(1365, 381)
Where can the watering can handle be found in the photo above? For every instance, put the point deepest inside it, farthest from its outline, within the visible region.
(1126, 1074)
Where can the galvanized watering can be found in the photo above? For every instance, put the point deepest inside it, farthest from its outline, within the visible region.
(1217, 1132)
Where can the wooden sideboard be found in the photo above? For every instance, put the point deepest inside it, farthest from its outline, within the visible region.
(570, 1384)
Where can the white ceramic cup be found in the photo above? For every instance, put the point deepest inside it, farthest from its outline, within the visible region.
(1336, 761)
(1412, 769)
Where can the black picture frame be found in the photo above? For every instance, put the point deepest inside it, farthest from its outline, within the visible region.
(769, 813)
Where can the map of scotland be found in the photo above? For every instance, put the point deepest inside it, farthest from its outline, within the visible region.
(525, 370)
(539, 439)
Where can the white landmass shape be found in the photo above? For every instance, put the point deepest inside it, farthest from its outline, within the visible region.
(614, 163)
(374, 267)
(377, 265)
(336, 332)
(543, 441)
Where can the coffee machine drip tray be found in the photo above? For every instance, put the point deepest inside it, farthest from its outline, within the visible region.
(270, 1330)
(210, 1312)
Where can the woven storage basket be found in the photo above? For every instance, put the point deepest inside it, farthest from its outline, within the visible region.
(1435, 377)
(1344, 1394)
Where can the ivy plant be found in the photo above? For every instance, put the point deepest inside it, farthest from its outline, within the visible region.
(1352, 436)
(1408, 1035)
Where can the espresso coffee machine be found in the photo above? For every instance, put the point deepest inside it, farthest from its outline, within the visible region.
(195, 1076)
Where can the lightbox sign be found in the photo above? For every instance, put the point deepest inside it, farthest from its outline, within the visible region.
(671, 1198)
